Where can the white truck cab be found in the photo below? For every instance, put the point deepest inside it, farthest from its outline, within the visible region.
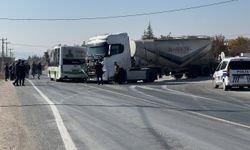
(232, 72)
(108, 49)
(111, 48)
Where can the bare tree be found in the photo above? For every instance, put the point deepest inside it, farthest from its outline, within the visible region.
(219, 45)
(239, 45)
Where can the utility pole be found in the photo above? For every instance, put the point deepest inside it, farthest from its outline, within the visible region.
(2, 66)
(10, 50)
(6, 49)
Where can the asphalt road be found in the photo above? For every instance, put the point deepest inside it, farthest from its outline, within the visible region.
(165, 115)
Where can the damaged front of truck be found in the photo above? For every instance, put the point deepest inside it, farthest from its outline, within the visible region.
(97, 49)
(108, 49)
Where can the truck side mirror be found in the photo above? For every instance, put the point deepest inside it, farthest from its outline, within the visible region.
(109, 50)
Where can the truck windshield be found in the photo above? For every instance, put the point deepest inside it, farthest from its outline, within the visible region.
(239, 65)
(95, 51)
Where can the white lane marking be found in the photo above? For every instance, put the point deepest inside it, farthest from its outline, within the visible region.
(190, 95)
(198, 114)
(186, 94)
(141, 99)
(221, 120)
(67, 140)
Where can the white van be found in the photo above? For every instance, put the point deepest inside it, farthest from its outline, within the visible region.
(232, 72)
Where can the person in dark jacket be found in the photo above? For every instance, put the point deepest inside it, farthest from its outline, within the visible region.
(17, 73)
(27, 68)
(11, 71)
(7, 72)
(34, 69)
(22, 70)
(99, 72)
(39, 70)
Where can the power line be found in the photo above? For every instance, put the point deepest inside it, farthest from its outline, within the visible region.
(30, 45)
(119, 16)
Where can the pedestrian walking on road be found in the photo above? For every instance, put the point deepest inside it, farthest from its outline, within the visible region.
(34, 69)
(99, 72)
(39, 70)
(17, 73)
(7, 72)
(27, 69)
(12, 71)
(22, 69)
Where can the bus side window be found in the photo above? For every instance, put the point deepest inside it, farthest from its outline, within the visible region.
(58, 57)
(54, 57)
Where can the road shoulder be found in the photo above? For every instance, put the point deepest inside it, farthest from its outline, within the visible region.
(13, 132)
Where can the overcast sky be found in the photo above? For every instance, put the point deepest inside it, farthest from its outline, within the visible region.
(230, 19)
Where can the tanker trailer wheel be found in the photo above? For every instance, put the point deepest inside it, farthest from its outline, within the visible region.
(191, 75)
(178, 76)
(205, 71)
(122, 78)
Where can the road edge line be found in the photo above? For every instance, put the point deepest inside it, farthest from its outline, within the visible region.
(67, 140)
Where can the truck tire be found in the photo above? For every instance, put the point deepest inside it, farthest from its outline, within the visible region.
(122, 78)
(205, 71)
(191, 75)
(132, 81)
(194, 71)
(241, 87)
(178, 76)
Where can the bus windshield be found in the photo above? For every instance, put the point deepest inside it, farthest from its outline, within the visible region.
(73, 61)
(100, 50)
(73, 55)
(73, 52)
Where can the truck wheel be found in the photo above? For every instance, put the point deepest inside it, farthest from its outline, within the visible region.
(178, 76)
(205, 71)
(122, 76)
(191, 75)
(132, 81)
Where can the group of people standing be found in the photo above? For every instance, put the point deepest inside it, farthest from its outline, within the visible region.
(19, 70)
(118, 72)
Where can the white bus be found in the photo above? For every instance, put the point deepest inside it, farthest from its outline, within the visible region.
(67, 62)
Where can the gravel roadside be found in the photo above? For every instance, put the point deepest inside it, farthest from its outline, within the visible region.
(13, 133)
